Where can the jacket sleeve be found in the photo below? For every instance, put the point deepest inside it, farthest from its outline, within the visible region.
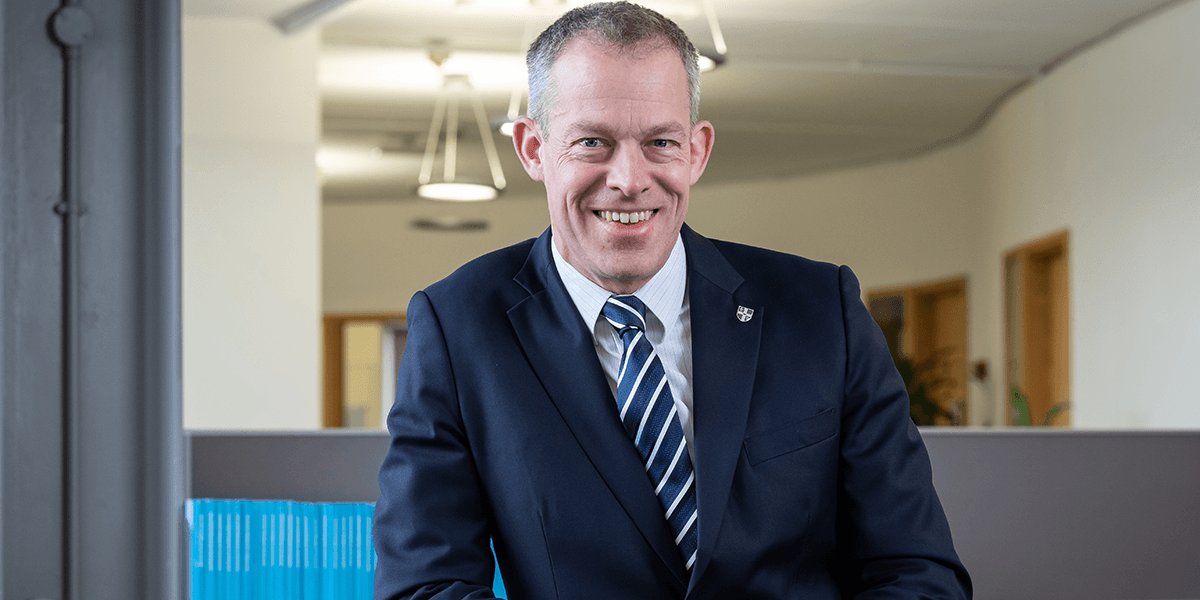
(893, 537)
(430, 530)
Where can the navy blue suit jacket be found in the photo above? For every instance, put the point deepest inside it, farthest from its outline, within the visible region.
(812, 481)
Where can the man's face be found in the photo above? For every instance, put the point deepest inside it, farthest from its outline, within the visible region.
(618, 160)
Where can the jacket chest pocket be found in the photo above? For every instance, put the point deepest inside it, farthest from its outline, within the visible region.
(796, 436)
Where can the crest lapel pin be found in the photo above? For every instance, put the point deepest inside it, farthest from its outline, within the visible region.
(744, 314)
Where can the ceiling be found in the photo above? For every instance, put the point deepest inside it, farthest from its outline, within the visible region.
(808, 85)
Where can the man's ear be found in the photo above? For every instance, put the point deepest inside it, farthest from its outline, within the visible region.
(527, 139)
(701, 148)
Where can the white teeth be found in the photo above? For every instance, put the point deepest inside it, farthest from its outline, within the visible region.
(630, 218)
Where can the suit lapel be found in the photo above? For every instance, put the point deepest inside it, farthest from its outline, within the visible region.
(724, 361)
(560, 350)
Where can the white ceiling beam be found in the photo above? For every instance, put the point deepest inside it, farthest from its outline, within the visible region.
(295, 19)
(812, 128)
(748, 14)
(900, 69)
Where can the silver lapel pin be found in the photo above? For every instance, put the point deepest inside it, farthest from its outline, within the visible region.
(744, 314)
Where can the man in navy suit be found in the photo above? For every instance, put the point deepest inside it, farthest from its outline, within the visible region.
(805, 477)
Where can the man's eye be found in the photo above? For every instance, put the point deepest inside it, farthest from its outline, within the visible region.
(591, 142)
(662, 143)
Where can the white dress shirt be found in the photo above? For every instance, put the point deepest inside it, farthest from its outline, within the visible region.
(668, 323)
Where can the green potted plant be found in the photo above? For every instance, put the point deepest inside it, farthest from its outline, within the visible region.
(1023, 416)
(924, 383)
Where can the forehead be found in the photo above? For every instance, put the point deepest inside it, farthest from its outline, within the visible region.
(643, 79)
(591, 48)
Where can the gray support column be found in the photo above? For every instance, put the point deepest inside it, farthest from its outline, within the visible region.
(31, 308)
(90, 301)
(125, 419)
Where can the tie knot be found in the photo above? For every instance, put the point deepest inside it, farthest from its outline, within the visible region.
(625, 312)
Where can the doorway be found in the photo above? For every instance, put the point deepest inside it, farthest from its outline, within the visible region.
(361, 355)
(926, 329)
(1037, 332)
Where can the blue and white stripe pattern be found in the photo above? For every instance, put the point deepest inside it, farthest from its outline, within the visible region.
(648, 412)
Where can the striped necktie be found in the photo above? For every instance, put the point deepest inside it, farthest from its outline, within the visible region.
(648, 412)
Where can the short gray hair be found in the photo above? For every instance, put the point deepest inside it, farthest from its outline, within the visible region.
(620, 24)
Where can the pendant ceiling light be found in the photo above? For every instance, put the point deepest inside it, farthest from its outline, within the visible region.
(519, 91)
(445, 110)
(709, 61)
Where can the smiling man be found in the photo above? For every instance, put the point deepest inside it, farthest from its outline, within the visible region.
(627, 409)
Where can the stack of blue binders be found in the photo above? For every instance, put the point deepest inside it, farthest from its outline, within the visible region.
(269, 550)
(276, 550)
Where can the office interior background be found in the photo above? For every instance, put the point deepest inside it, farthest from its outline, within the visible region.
(916, 142)
(101, 263)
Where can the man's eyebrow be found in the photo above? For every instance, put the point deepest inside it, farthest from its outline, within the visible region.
(586, 129)
(669, 129)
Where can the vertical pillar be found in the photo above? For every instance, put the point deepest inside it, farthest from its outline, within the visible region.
(92, 450)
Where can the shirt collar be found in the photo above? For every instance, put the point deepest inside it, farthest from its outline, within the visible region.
(663, 294)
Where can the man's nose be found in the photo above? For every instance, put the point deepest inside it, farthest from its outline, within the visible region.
(629, 171)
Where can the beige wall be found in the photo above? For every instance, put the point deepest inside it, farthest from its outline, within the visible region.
(375, 261)
(251, 227)
(893, 223)
(1108, 146)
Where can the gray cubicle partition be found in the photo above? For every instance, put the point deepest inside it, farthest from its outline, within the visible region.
(1095, 515)
(1036, 514)
(333, 465)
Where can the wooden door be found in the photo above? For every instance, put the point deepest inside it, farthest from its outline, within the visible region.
(347, 374)
(1037, 344)
(926, 328)
(941, 337)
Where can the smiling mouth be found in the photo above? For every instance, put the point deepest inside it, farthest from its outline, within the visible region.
(625, 217)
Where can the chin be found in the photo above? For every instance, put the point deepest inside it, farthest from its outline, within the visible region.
(628, 274)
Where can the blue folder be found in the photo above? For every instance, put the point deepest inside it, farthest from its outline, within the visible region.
(283, 550)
